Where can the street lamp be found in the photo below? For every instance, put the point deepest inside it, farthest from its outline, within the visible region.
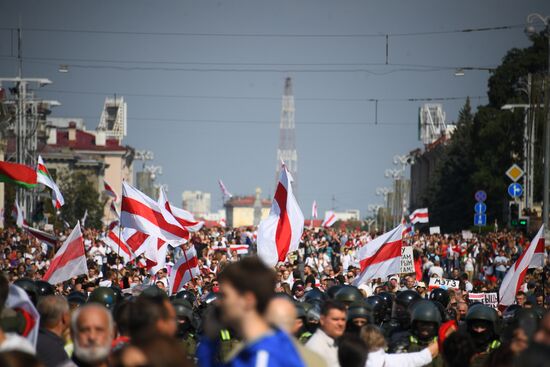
(530, 30)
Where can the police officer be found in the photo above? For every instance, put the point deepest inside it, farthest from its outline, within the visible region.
(105, 296)
(186, 329)
(359, 315)
(398, 327)
(348, 294)
(425, 322)
(378, 309)
(481, 324)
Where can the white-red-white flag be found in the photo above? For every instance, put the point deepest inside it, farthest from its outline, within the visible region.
(19, 300)
(144, 214)
(240, 249)
(155, 255)
(44, 177)
(380, 257)
(281, 231)
(314, 209)
(532, 257)
(407, 228)
(184, 270)
(126, 243)
(109, 191)
(47, 238)
(419, 216)
(222, 222)
(184, 218)
(70, 259)
(114, 210)
(330, 219)
(226, 194)
(18, 215)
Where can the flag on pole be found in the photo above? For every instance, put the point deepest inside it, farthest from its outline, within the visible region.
(47, 238)
(19, 300)
(281, 231)
(70, 259)
(44, 177)
(18, 174)
(532, 257)
(116, 240)
(314, 209)
(184, 218)
(109, 191)
(330, 219)
(184, 270)
(407, 228)
(380, 257)
(226, 194)
(84, 217)
(240, 249)
(155, 254)
(114, 210)
(18, 215)
(145, 215)
(419, 216)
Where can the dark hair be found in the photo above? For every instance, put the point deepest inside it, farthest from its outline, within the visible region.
(352, 351)
(4, 290)
(458, 349)
(251, 275)
(16, 358)
(143, 315)
(121, 315)
(332, 304)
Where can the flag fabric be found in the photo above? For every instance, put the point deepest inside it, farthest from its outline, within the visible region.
(184, 218)
(330, 219)
(18, 174)
(419, 216)
(532, 257)
(70, 259)
(407, 228)
(44, 177)
(18, 215)
(281, 231)
(314, 210)
(19, 300)
(114, 210)
(145, 215)
(381, 257)
(240, 249)
(222, 222)
(184, 270)
(109, 191)
(84, 217)
(226, 194)
(44, 237)
(155, 255)
(116, 240)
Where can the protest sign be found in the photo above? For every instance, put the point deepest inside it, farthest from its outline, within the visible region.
(443, 283)
(435, 230)
(407, 260)
(489, 299)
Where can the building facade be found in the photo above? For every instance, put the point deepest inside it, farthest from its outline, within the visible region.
(197, 202)
(245, 211)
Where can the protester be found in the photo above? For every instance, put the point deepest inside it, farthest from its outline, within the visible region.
(54, 321)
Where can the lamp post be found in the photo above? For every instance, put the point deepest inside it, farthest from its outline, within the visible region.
(530, 29)
(384, 191)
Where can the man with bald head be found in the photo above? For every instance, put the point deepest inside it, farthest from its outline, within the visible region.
(281, 313)
(92, 331)
(54, 320)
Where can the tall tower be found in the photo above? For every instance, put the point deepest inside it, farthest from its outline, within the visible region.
(287, 138)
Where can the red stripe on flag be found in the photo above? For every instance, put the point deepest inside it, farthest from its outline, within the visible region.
(284, 232)
(135, 207)
(387, 251)
(118, 241)
(74, 250)
(181, 221)
(136, 240)
(186, 266)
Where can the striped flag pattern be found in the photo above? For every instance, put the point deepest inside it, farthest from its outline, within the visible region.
(44, 177)
(70, 259)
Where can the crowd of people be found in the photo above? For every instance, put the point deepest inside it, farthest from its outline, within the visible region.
(305, 311)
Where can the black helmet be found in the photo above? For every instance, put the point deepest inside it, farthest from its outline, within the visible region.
(44, 288)
(153, 291)
(405, 298)
(331, 292)
(77, 298)
(427, 311)
(510, 314)
(440, 295)
(400, 306)
(313, 313)
(29, 287)
(183, 308)
(481, 312)
(315, 293)
(189, 296)
(378, 307)
(360, 309)
(388, 298)
(210, 297)
(105, 296)
(300, 311)
(348, 294)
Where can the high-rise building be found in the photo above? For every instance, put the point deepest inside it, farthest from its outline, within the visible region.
(287, 137)
(197, 202)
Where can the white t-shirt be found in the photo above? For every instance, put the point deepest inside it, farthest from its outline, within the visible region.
(501, 259)
(437, 270)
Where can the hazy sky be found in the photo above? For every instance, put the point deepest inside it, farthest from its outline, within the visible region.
(180, 82)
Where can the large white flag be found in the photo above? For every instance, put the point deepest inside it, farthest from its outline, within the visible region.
(330, 219)
(70, 259)
(184, 270)
(281, 231)
(532, 257)
(420, 216)
(144, 214)
(184, 218)
(381, 257)
(18, 299)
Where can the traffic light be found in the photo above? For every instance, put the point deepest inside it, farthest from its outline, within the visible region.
(514, 214)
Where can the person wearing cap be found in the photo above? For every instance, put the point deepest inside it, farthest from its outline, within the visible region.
(298, 291)
(421, 289)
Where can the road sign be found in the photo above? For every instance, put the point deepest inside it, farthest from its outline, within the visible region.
(480, 220)
(514, 173)
(515, 190)
(480, 207)
(481, 195)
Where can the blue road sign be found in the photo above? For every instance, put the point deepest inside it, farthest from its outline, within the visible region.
(515, 190)
(480, 207)
(481, 195)
(480, 220)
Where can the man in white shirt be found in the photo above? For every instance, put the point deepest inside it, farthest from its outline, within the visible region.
(436, 270)
(332, 325)
(501, 265)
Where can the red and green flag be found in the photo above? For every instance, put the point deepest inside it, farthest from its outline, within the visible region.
(18, 174)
